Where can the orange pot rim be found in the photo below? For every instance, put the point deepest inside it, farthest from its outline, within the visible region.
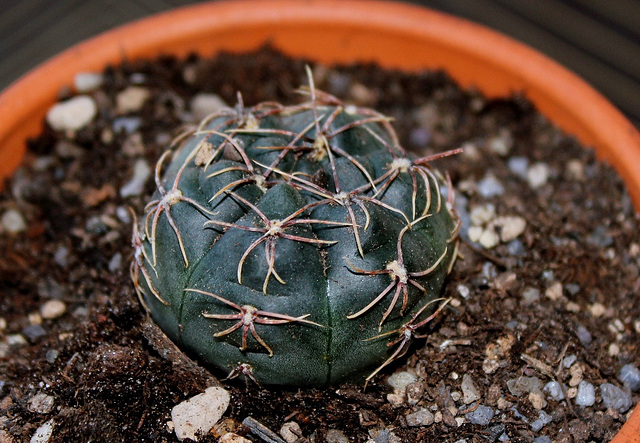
(392, 34)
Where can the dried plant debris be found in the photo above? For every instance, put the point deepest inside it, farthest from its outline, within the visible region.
(537, 342)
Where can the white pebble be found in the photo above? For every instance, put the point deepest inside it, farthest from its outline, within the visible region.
(510, 227)
(463, 290)
(87, 81)
(141, 172)
(519, 166)
(13, 222)
(198, 414)
(73, 114)
(629, 374)
(203, 105)
(474, 233)
(131, 99)
(116, 262)
(482, 214)
(615, 398)
(537, 175)
(489, 239)
(400, 380)
(554, 391)
(60, 257)
(501, 144)
(569, 360)
(43, 433)
(597, 309)
(542, 420)
(490, 187)
(53, 309)
(586, 395)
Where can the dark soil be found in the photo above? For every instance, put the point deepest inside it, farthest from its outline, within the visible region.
(559, 303)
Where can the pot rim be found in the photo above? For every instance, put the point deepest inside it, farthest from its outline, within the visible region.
(392, 34)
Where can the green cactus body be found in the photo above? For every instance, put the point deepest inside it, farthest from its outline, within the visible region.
(299, 245)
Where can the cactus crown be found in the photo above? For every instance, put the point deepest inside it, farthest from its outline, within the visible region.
(297, 245)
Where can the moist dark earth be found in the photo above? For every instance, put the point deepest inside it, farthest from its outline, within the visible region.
(546, 288)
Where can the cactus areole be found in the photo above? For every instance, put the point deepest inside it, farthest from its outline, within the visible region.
(296, 245)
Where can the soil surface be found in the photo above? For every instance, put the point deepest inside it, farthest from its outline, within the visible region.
(538, 343)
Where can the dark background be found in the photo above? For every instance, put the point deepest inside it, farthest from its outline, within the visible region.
(597, 39)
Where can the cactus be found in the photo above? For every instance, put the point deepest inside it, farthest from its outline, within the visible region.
(296, 245)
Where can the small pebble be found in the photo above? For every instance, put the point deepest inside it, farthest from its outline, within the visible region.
(336, 436)
(530, 295)
(569, 360)
(469, 390)
(141, 172)
(53, 309)
(586, 395)
(116, 262)
(575, 170)
(537, 400)
(73, 114)
(537, 175)
(481, 416)
(516, 248)
(52, 355)
(542, 439)
(399, 380)
(510, 227)
(12, 222)
(60, 257)
(490, 187)
(629, 375)
(414, 392)
(519, 166)
(489, 239)
(615, 398)
(554, 291)
(597, 309)
(482, 214)
(43, 433)
(15, 340)
(542, 420)
(33, 332)
(291, 431)
(96, 226)
(584, 335)
(41, 403)
(204, 104)
(501, 144)
(463, 290)
(84, 82)
(131, 99)
(554, 391)
(422, 417)
(127, 124)
(198, 414)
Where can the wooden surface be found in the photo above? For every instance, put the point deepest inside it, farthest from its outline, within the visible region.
(597, 39)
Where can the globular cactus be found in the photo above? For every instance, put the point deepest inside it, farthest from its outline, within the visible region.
(298, 245)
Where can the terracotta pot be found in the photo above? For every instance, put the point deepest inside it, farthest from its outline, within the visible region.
(332, 31)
